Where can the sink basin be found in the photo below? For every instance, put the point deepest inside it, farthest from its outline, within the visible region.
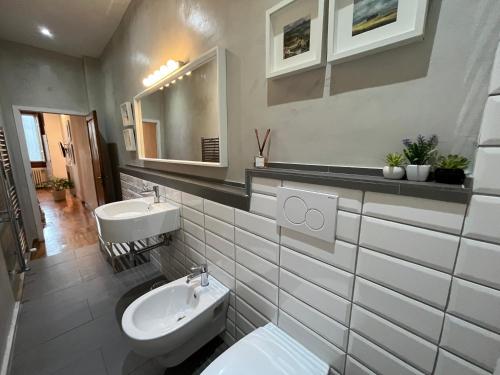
(136, 219)
(171, 322)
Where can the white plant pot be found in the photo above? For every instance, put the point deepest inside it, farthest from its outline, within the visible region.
(417, 172)
(393, 173)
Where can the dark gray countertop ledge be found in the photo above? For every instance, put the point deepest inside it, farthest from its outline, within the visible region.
(238, 196)
(368, 182)
(214, 190)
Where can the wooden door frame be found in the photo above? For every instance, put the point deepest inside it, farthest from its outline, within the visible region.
(26, 164)
(93, 116)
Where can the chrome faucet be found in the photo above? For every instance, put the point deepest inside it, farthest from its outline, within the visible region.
(155, 189)
(199, 271)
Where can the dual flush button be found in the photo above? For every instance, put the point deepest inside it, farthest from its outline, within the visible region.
(311, 213)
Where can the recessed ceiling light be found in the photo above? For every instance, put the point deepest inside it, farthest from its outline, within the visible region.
(45, 31)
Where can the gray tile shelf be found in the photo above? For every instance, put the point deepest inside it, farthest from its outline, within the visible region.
(366, 179)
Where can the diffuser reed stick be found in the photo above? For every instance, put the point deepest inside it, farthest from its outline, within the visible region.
(263, 146)
(260, 160)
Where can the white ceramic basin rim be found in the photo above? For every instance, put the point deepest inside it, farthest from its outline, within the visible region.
(136, 219)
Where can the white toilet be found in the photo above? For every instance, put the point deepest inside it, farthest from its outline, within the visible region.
(267, 351)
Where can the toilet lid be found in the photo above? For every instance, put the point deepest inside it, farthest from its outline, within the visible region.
(267, 351)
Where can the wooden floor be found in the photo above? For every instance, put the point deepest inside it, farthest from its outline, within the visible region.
(68, 225)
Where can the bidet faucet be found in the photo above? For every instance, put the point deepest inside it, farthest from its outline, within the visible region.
(202, 271)
(155, 189)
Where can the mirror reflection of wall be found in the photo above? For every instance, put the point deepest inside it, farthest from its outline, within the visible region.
(180, 121)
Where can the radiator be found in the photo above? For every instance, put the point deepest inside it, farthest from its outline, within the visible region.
(39, 176)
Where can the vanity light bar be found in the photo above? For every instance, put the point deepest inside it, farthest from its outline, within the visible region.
(170, 67)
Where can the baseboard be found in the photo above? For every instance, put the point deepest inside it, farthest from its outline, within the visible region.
(7, 355)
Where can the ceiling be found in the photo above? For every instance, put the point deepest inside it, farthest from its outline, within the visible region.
(79, 27)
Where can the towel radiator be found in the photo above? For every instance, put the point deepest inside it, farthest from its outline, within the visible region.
(12, 210)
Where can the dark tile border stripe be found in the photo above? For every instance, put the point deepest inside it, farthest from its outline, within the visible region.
(366, 182)
(366, 179)
(215, 190)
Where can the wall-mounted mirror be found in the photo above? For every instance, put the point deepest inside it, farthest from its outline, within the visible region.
(183, 118)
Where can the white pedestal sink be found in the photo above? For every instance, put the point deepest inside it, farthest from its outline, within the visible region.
(136, 219)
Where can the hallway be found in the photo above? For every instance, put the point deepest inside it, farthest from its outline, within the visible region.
(69, 225)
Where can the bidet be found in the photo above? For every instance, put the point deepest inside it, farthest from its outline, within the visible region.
(173, 321)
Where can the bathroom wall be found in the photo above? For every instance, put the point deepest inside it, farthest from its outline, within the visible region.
(35, 77)
(404, 290)
(352, 115)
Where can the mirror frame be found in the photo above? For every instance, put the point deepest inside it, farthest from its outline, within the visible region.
(220, 58)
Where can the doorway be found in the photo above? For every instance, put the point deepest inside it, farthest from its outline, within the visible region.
(63, 166)
(151, 138)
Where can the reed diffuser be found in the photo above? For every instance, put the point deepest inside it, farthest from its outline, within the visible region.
(260, 160)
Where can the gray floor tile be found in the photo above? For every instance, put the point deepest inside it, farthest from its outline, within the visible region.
(47, 262)
(87, 250)
(49, 280)
(119, 357)
(92, 266)
(67, 348)
(151, 367)
(90, 363)
(45, 324)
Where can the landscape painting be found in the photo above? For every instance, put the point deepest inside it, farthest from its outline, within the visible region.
(297, 37)
(372, 14)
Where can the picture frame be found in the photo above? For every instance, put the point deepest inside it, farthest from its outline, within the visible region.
(294, 37)
(357, 28)
(127, 114)
(129, 139)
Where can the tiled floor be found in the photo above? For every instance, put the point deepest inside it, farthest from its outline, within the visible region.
(69, 317)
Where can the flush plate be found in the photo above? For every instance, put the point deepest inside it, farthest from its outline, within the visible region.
(311, 213)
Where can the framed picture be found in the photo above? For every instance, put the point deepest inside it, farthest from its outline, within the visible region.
(127, 114)
(294, 37)
(361, 27)
(129, 138)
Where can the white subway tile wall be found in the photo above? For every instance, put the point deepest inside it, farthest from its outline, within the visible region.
(399, 292)
(490, 131)
(495, 74)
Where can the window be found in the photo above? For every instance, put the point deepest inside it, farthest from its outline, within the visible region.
(32, 133)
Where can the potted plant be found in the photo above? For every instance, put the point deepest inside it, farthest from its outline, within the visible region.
(58, 187)
(420, 155)
(394, 169)
(450, 169)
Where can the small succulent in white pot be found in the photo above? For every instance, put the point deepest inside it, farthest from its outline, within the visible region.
(394, 170)
(420, 155)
